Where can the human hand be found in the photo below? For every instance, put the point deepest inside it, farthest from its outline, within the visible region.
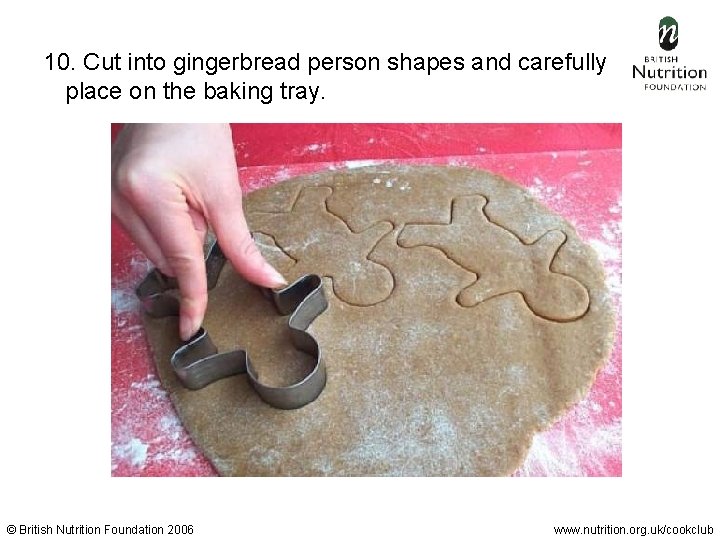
(169, 182)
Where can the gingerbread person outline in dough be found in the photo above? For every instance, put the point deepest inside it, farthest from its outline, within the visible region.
(502, 262)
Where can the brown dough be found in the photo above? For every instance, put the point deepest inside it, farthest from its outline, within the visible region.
(464, 317)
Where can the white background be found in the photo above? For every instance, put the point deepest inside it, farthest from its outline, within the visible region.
(55, 272)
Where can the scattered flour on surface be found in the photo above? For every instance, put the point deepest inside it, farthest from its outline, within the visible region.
(314, 148)
(171, 426)
(545, 193)
(134, 451)
(609, 252)
(573, 451)
(282, 174)
(577, 447)
(125, 305)
(457, 162)
(122, 294)
(176, 455)
(605, 251)
(611, 231)
(360, 163)
(150, 385)
(146, 431)
(576, 176)
(123, 300)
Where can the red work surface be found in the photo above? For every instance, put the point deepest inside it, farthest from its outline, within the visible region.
(573, 169)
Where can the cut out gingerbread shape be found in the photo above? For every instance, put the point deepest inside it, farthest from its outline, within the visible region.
(342, 253)
(502, 262)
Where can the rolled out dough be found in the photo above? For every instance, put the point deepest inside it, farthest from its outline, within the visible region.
(464, 317)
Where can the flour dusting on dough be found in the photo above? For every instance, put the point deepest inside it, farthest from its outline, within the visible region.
(608, 251)
(403, 445)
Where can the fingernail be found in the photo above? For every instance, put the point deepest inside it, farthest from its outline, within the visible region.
(275, 277)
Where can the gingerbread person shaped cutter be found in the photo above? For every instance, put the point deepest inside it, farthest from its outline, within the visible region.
(197, 361)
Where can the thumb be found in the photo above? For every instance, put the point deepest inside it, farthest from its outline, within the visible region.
(228, 222)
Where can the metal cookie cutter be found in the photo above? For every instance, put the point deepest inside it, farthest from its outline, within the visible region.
(197, 362)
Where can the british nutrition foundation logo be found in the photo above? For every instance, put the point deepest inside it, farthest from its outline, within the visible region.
(665, 72)
(668, 37)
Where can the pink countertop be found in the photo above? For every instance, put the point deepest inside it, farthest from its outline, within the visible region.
(575, 169)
